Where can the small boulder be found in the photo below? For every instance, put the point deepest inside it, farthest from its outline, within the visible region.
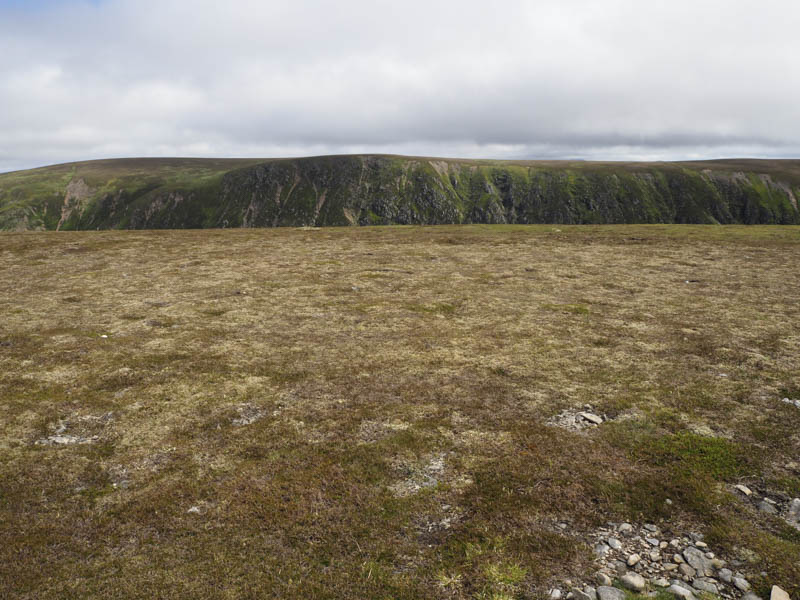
(606, 592)
(634, 582)
(698, 561)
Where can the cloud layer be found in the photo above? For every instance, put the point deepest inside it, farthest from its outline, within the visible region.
(614, 79)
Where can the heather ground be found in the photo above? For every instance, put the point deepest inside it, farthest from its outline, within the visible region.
(372, 412)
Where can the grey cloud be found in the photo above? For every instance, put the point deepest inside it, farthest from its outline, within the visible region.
(524, 79)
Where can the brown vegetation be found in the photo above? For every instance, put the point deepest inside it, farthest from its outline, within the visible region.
(362, 413)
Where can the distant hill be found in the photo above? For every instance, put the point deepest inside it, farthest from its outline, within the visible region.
(159, 193)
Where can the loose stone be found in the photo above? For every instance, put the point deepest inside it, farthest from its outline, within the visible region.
(705, 586)
(603, 579)
(698, 561)
(744, 489)
(620, 567)
(605, 592)
(633, 581)
(614, 543)
(778, 594)
(686, 570)
(592, 418)
(680, 592)
(633, 559)
(794, 510)
(767, 508)
(685, 586)
(741, 584)
(601, 550)
(726, 575)
(555, 594)
(580, 595)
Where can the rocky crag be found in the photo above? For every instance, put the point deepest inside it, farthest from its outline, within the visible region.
(382, 190)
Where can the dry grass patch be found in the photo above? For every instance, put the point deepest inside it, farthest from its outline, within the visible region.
(364, 413)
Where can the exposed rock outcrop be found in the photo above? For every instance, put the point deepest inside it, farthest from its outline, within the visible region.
(382, 190)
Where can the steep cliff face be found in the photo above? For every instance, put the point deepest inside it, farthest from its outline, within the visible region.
(384, 190)
(374, 190)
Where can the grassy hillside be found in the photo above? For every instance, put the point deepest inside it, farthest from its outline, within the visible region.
(371, 189)
(395, 412)
(35, 198)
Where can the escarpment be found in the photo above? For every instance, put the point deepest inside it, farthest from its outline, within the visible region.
(384, 190)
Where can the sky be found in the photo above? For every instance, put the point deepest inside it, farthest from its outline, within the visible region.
(576, 79)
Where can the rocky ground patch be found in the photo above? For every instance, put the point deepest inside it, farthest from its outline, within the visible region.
(77, 429)
(644, 559)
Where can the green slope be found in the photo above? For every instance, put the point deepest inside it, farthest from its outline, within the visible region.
(163, 193)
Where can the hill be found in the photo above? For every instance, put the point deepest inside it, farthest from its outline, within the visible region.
(186, 193)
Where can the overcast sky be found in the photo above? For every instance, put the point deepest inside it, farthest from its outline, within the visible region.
(593, 79)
